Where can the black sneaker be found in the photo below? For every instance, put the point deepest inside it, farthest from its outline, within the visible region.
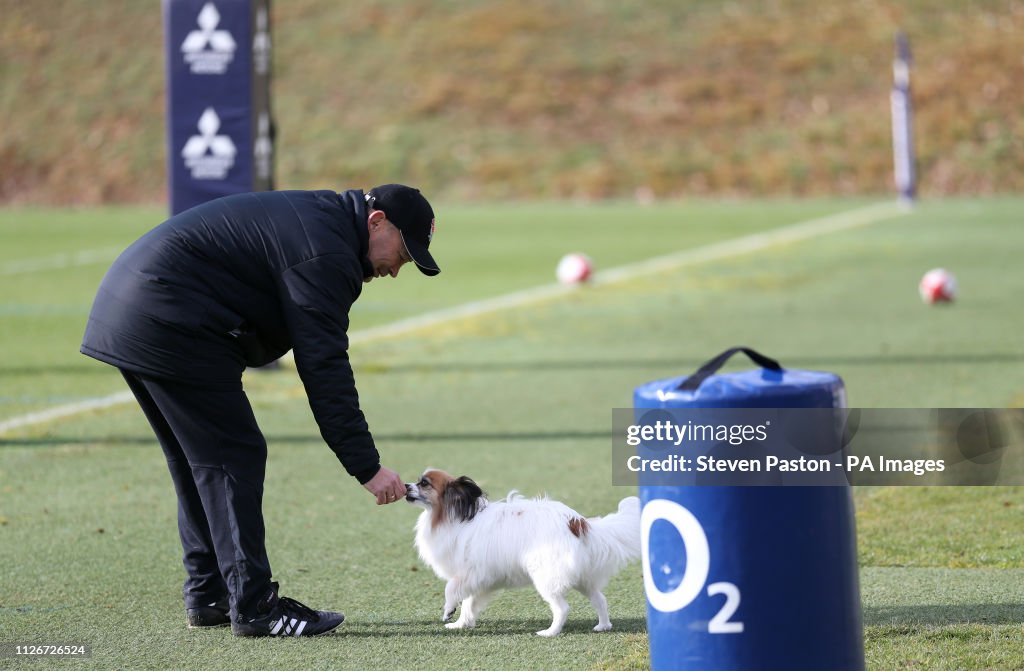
(215, 614)
(287, 617)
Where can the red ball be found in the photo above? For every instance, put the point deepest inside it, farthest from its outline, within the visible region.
(937, 286)
(574, 269)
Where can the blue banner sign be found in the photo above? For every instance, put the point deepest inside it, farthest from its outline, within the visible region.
(219, 127)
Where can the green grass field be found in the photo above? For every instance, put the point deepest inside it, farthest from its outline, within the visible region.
(519, 398)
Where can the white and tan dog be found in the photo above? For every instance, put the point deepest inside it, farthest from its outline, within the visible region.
(479, 547)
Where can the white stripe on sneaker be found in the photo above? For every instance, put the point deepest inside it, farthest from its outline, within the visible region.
(277, 627)
(302, 625)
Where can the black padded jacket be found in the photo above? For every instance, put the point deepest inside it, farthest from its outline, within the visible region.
(239, 281)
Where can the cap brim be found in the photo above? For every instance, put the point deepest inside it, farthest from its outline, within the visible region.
(421, 257)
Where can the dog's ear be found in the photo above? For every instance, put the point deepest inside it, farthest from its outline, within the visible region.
(460, 498)
(470, 486)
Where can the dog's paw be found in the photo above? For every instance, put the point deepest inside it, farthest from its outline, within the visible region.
(447, 615)
(603, 627)
(458, 624)
(549, 632)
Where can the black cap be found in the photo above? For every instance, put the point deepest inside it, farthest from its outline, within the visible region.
(410, 212)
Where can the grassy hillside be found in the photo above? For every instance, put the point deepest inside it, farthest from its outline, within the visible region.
(534, 99)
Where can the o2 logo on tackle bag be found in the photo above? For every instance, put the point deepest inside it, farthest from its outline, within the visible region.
(698, 564)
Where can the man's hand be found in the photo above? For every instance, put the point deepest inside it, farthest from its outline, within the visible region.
(386, 486)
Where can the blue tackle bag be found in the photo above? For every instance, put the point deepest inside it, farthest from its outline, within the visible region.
(749, 577)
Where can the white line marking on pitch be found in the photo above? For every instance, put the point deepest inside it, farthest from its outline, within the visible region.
(745, 245)
(85, 257)
(67, 410)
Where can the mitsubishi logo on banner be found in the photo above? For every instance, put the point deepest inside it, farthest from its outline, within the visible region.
(209, 155)
(208, 51)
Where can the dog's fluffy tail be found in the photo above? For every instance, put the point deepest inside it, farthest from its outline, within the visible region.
(616, 537)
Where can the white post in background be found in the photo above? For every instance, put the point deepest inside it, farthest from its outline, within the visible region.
(902, 130)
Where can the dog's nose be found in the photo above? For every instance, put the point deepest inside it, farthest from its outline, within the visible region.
(408, 488)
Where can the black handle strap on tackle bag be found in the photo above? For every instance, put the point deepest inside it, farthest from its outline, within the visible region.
(712, 365)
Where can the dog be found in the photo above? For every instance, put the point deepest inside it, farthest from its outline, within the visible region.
(480, 547)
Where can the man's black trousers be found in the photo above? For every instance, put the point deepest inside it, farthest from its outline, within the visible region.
(217, 457)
